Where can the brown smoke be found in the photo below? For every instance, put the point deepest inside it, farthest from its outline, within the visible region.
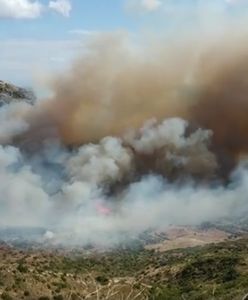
(113, 89)
(116, 87)
(221, 103)
(222, 106)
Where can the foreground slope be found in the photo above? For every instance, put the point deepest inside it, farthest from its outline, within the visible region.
(215, 271)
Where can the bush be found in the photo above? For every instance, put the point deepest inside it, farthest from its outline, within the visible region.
(58, 297)
(102, 279)
(26, 293)
(6, 296)
(164, 293)
(22, 268)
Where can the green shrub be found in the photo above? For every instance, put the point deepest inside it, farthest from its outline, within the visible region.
(58, 297)
(22, 268)
(26, 293)
(6, 296)
(102, 279)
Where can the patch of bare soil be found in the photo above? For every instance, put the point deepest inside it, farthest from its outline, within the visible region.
(184, 237)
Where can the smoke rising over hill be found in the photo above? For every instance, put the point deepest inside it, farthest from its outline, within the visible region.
(136, 136)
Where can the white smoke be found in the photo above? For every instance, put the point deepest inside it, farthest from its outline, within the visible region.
(101, 163)
(23, 201)
(66, 191)
(11, 124)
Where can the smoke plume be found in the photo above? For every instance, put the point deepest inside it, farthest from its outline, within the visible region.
(136, 136)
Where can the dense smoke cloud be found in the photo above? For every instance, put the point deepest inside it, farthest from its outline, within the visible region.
(117, 86)
(136, 136)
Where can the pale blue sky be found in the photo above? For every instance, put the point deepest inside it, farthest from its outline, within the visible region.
(85, 14)
(31, 47)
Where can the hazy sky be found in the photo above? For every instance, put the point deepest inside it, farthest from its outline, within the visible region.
(42, 36)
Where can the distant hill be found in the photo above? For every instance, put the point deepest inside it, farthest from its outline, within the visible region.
(10, 93)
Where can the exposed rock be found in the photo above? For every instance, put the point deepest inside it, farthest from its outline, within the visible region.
(10, 93)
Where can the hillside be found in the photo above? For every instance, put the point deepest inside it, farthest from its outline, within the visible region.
(214, 271)
(10, 92)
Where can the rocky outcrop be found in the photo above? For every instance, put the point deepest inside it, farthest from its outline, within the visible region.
(10, 93)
